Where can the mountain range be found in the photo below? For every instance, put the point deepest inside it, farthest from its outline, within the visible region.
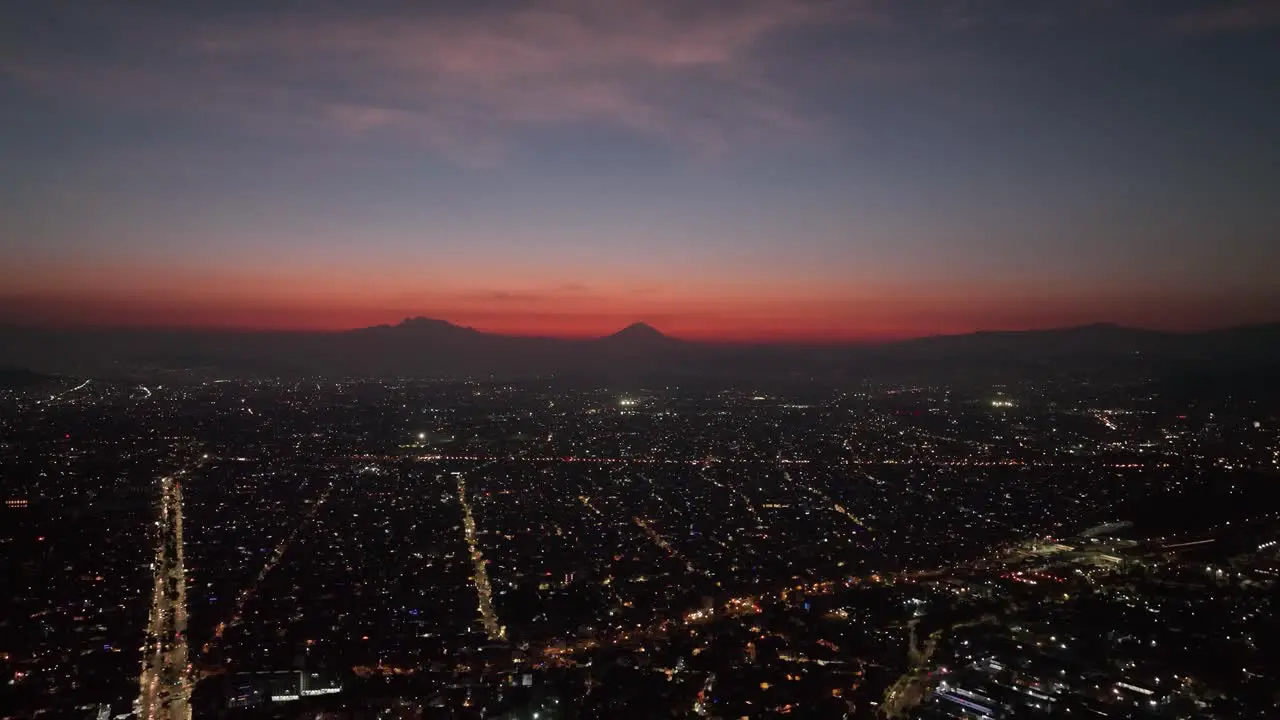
(430, 348)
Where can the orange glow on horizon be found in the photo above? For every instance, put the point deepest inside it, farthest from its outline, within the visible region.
(691, 325)
(800, 322)
(324, 299)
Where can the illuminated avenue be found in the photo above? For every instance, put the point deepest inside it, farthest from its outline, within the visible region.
(480, 575)
(165, 683)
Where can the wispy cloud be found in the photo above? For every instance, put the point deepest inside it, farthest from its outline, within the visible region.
(1232, 15)
(463, 84)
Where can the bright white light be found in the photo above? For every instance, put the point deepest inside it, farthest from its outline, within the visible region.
(422, 436)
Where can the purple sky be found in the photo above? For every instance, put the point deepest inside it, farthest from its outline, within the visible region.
(751, 169)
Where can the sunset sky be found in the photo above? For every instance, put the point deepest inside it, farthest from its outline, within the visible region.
(736, 169)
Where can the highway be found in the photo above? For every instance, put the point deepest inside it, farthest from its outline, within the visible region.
(64, 393)
(164, 691)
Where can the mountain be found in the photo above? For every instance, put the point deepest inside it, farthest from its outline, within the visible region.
(1096, 338)
(639, 334)
(422, 327)
(426, 347)
(17, 377)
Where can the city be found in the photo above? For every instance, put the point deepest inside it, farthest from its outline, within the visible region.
(639, 360)
(483, 549)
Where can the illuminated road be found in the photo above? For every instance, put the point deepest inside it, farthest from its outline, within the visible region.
(662, 543)
(64, 393)
(165, 683)
(913, 687)
(835, 506)
(272, 561)
(479, 574)
(586, 501)
(746, 501)
(1007, 462)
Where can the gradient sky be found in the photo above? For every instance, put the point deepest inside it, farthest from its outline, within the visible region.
(736, 169)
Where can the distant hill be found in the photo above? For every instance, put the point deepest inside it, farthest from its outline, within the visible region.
(426, 347)
(17, 377)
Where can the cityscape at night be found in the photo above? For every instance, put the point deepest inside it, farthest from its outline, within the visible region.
(290, 548)
(639, 359)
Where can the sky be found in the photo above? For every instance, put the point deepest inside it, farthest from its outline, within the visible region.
(762, 170)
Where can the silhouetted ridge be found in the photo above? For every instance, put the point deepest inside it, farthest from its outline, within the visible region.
(18, 377)
(427, 347)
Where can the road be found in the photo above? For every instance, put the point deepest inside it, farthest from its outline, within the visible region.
(81, 386)
(204, 656)
(480, 572)
(914, 686)
(835, 506)
(164, 691)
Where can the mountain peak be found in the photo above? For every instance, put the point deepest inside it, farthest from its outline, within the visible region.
(426, 323)
(418, 326)
(639, 331)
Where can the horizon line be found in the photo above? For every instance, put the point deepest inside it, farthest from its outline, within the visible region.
(864, 339)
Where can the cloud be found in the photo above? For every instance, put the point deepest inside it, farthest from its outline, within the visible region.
(569, 290)
(509, 296)
(465, 83)
(1232, 16)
